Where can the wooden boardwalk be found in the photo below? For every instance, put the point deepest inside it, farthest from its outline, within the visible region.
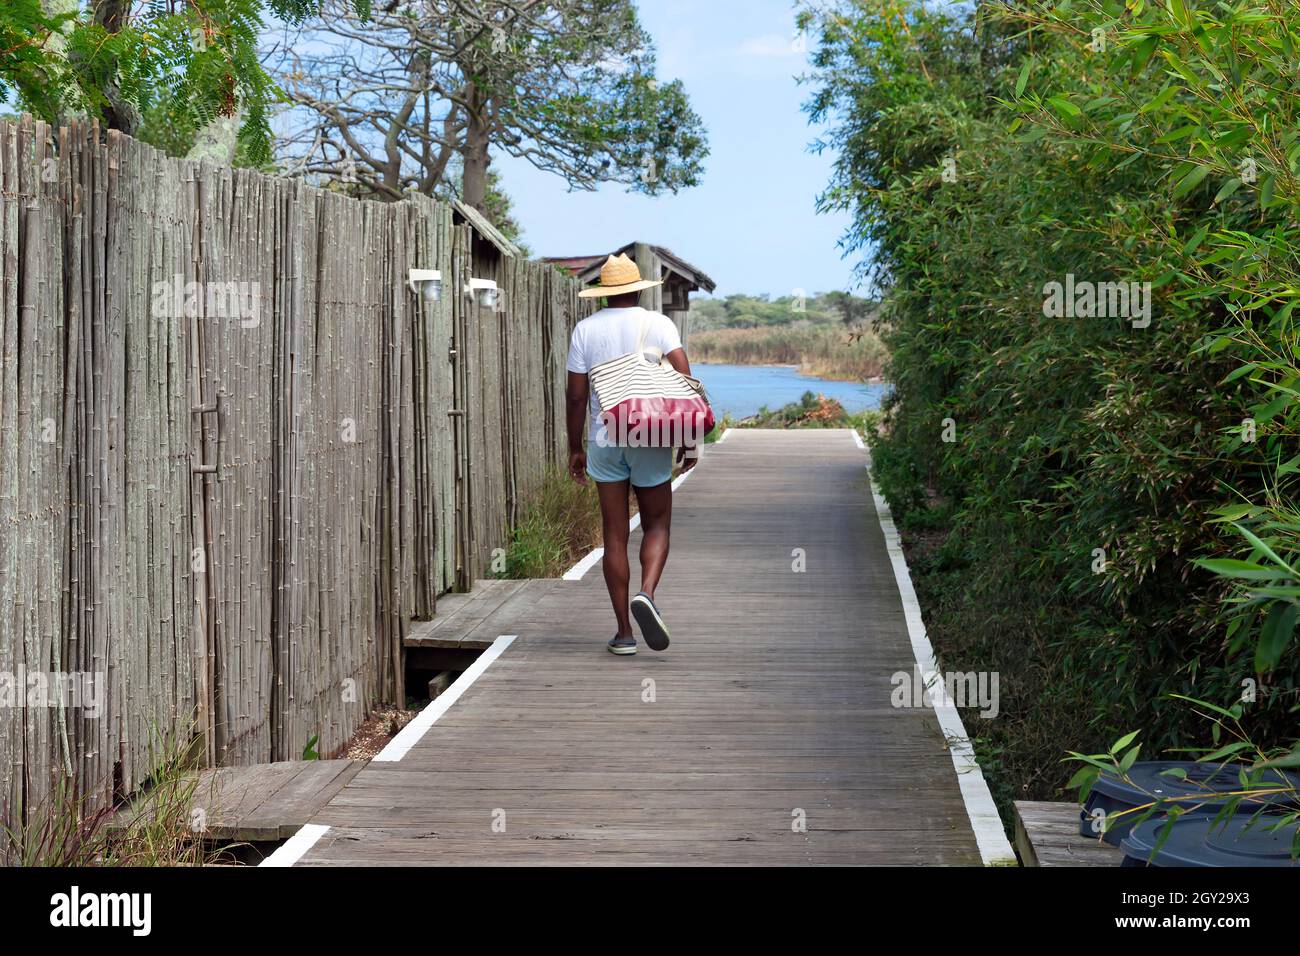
(771, 707)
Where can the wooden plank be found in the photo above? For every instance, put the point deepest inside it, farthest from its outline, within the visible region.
(301, 797)
(259, 802)
(462, 613)
(518, 605)
(1047, 834)
(475, 619)
(466, 409)
(467, 618)
(11, 731)
(421, 846)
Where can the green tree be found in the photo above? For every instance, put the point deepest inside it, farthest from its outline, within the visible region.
(741, 311)
(120, 61)
(567, 85)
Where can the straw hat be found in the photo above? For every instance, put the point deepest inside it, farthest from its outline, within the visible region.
(618, 275)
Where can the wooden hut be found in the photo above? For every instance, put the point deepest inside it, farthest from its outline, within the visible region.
(672, 298)
(488, 245)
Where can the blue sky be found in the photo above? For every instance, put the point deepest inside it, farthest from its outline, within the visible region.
(751, 224)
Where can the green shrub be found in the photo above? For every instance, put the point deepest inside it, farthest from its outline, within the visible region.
(1082, 465)
(558, 525)
(811, 411)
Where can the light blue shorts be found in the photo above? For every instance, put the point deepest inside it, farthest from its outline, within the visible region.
(646, 467)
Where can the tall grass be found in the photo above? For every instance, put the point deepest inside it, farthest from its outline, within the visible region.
(827, 351)
(558, 525)
(67, 828)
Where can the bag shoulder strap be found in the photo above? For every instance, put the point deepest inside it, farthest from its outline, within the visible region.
(641, 349)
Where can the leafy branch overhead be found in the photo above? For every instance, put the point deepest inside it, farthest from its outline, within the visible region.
(397, 102)
(117, 60)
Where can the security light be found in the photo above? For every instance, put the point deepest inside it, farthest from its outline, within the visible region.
(426, 283)
(484, 292)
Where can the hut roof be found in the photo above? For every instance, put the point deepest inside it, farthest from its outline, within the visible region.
(587, 268)
(484, 228)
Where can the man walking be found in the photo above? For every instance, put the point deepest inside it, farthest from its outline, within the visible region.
(616, 331)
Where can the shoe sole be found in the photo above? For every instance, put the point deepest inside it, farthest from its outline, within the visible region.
(653, 628)
(621, 651)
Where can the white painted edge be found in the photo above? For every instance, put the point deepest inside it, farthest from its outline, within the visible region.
(296, 847)
(410, 735)
(990, 837)
(677, 483)
(725, 433)
(857, 438)
(576, 572)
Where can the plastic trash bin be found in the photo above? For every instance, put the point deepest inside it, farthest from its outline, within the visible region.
(1196, 840)
(1112, 795)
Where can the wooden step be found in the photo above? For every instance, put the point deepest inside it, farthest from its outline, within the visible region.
(267, 801)
(1047, 834)
(472, 621)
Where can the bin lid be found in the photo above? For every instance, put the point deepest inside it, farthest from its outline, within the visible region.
(1149, 777)
(1197, 840)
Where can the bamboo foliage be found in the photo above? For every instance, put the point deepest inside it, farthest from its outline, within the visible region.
(232, 470)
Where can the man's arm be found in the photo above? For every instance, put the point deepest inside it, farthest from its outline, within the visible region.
(576, 395)
(687, 456)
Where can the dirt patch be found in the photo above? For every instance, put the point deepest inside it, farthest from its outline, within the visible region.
(372, 736)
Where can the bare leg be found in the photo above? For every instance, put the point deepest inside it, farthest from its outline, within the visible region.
(656, 509)
(613, 516)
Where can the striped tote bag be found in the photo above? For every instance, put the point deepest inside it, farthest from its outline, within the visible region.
(650, 404)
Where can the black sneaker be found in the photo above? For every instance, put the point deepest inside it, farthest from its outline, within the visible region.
(653, 628)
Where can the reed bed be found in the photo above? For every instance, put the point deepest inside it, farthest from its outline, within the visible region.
(826, 351)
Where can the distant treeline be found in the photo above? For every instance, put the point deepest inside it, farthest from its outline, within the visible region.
(750, 311)
(828, 335)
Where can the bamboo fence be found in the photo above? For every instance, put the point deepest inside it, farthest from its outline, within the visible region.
(237, 455)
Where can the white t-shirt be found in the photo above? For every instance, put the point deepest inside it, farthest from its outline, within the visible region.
(610, 333)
